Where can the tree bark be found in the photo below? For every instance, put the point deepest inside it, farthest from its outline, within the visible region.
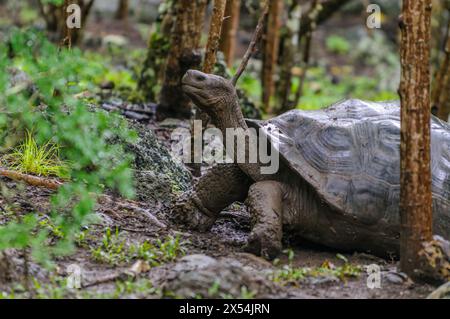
(183, 55)
(287, 63)
(415, 175)
(199, 17)
(229, 30)
(152, 73)
(214, 35)
(312, 16)
(122, 10)
(271, 47)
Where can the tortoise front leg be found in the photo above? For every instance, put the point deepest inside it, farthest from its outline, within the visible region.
(220, 187)
(265, 202)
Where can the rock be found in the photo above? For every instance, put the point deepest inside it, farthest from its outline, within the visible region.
(157, 175)
(443, 292)
(12, 268)
(203, 276)
(397, 278)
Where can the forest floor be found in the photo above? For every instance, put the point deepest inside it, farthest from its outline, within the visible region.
(111, 268)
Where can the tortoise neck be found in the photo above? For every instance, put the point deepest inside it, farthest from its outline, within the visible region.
(231, 117)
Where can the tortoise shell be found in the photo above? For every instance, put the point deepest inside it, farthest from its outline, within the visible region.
(350, 153)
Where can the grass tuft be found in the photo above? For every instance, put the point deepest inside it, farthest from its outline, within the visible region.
(30, 158)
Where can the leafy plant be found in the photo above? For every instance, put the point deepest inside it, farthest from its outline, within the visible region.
(112, 249)
(162, 251)
(291, 275)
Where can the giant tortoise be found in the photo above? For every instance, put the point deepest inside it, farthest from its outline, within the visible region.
(338, 183)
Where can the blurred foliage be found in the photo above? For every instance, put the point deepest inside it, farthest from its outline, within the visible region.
(321, 90)
(39, 83)
(337, 44)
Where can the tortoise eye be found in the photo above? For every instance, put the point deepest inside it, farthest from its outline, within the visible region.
(200, 77)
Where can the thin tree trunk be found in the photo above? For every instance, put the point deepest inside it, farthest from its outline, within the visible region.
(312, 16)
(122, 10)
(287, 63)
(271, 47)
(415, 193)
(152, 73)
(183, 55)
(199, 17)
(214, 35)
(229, 30)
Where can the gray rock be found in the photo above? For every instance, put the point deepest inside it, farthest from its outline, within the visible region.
(394, 277)
(157, 175)
(203, 276)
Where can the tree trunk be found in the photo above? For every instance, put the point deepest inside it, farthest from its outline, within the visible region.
(312, 16)
(199, 17)
(214, 35)
(183, 55)
(122, 10)
(271, 47)
(229, 30)
(415, 193)
(152, 73)
(287, 63)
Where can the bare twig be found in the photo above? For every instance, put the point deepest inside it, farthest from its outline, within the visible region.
(316, 8)
(252, 47)
(214, 36)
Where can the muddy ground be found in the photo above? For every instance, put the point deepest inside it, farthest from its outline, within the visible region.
(205, 265)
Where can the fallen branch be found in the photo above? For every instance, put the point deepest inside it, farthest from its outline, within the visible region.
(252, 47)
(30, 179)
(132, 273)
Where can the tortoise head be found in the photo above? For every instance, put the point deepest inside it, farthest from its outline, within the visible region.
(211, 93)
